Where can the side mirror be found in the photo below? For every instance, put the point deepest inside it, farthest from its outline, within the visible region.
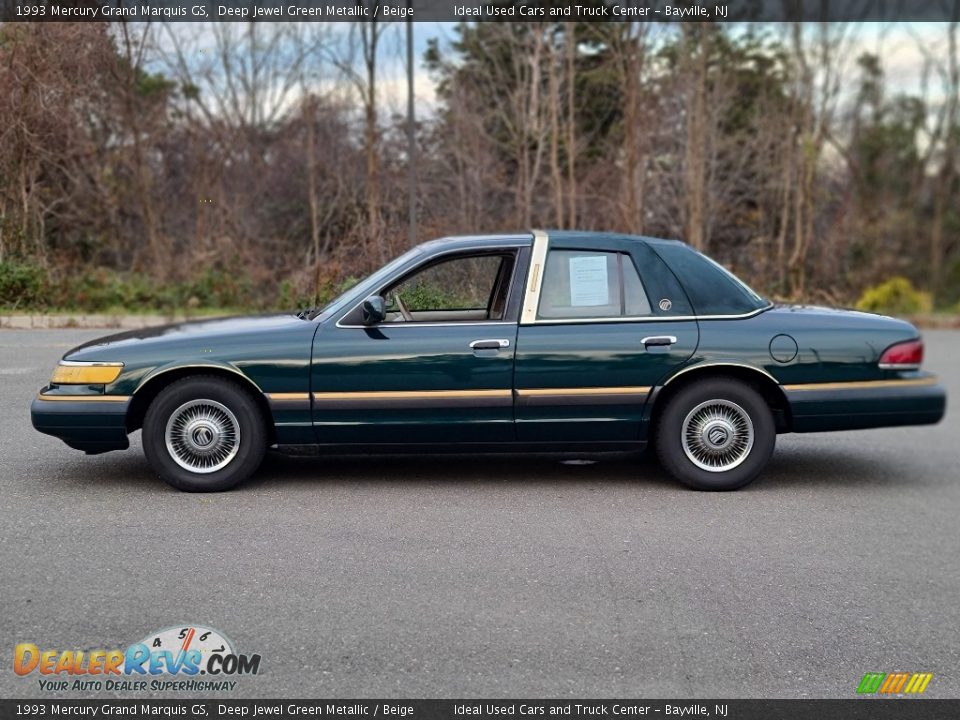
(374, 310)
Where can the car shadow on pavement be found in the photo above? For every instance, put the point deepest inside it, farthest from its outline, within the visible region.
(453, 469)
(806, 467)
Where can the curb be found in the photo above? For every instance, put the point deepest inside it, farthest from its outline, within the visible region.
(123, 322)
(935, 322)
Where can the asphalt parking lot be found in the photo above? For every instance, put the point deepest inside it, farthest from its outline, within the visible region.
(498, 576)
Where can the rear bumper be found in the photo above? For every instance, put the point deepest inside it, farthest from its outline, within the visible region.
(92, 423)
(917, 400)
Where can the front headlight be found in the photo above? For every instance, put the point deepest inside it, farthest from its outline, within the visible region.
(72, 372)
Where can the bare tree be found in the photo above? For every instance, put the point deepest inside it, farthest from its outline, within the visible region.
(946, 174)
(570, 34)
(629, 51)
(243, 74)
(817, 71)
(366, 37)
(553, 102)
(695, 48)
(239, 83)
(526, 115)
(52, 75)
(128, 72)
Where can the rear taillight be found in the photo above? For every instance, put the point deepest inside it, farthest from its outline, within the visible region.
(902, 356)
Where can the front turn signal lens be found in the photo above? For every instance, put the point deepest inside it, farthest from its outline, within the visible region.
(83, 373)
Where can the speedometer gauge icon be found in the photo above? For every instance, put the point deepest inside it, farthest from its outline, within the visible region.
(181, 639)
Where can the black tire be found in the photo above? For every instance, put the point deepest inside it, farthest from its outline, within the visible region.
(199, 408)
(730, 429)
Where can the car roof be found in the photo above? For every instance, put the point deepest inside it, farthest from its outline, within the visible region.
(456, 242)
(584, 234)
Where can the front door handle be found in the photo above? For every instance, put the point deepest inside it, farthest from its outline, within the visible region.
(489, 344)
(659, 340)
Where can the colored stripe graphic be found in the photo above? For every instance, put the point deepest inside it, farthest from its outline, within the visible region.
(894, 683)
(918, 683)
(870, 683)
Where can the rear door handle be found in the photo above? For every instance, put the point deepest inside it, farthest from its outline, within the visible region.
(496, 344)
(659, 340)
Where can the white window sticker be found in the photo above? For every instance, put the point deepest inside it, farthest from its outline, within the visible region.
(588, 281)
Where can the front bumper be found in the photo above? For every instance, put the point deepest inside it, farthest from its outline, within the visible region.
(916, 400)
(92, 423)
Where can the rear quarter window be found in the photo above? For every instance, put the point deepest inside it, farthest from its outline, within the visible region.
(712, 289)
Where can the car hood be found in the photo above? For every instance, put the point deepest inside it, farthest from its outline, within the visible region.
(105, 348)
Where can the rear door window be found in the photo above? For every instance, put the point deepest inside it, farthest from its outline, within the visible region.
(581, 284)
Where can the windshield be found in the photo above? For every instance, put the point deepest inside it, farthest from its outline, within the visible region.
(365, 286)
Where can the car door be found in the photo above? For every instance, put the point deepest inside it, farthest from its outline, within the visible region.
(605, 323)
(438, 369)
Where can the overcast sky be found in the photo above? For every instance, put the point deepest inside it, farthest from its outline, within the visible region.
(901, 47)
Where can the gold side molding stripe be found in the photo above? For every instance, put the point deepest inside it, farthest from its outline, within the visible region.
(410, 394)
(85, 398)
(636, 390)
(863, 385)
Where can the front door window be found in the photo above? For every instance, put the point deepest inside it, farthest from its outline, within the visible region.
(461, 289)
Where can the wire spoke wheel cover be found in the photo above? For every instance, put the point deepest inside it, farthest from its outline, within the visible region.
(717, 435)
(202, 436)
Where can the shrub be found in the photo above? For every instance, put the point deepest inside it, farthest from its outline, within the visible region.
(426, 296)
(896, 296)
(214, 287)
(29, 287)
(291, 296)
(300, 293)
(21, 284)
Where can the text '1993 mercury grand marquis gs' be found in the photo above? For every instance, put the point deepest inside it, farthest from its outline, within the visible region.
(567, 341)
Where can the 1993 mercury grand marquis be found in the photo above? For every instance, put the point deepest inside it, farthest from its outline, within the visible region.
(567, 341)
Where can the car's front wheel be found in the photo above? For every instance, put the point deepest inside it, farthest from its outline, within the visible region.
(204, 434)
(716, 434)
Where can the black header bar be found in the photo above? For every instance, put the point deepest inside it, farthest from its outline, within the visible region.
(582, 709)
(477, 10)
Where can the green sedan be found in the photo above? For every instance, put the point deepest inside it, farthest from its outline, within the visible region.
(560, 341)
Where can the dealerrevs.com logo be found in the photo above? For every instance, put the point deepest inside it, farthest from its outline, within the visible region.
(169, 659)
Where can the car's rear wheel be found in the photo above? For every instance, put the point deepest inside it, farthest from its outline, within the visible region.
(204, 434)
(716, 434)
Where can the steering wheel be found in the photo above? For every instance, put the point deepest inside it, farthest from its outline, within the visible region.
(403, 308)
